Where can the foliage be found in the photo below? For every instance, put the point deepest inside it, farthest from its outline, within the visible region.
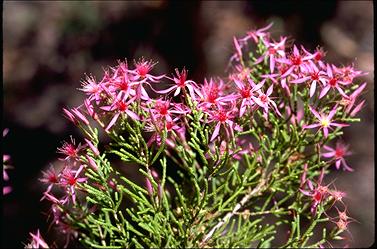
(232, 162)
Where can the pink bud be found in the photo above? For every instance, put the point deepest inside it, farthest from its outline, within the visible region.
(92, 163)
(70, 116)
(80, 116)
(94, 149)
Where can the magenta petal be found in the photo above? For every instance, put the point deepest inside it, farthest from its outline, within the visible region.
(295, 51)
(337, 164)
(345, 166)
(328, 154)
(269, 90)
(316, 114)
(177, 91)
(312, 88)
(357, 108)
(258, 86)
(299, 80)
(216, 131)
(243, 107)
(113, 120)
(272, 63)
(310, 126)
(307, 193)
(324, 91)
(257, 101)
(260, 59)
(288, 72)
(325, 131)
(358, 90)
(92, 147)
(329, 71)
(132, 115)
(328, 148)
(332, 113)
(166, 90)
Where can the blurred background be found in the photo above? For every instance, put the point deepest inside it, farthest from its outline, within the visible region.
(48, 46)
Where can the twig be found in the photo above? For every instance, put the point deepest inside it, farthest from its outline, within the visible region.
(259, 188)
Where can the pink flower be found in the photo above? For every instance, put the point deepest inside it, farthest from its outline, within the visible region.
(157, 126)
(317, 193)
(123, 84)
(338, 154)
(337, 195)
(349, 101)
(245, 93)
(69, 179)
(273, 49)
(70, 150)
(257, 34)
(210, 94)
(222, 117)
(161, 110)
(347, 74)
(317, 56)
(332, 82)
(142, 71)
(312, 74)
(324, 121)
(50, 177)
(92, 88)
(119, 106)
(295, 62)
(181, 83)
(36, 241)
(264, 101)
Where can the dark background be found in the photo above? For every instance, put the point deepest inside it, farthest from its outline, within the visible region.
(48, 46)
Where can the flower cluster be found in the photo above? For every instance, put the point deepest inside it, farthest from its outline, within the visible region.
(262, 112)
(64, 186)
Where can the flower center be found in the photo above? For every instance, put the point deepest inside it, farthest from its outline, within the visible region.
(163, 110)
(222, 117)
(123, 85)
(296, 60)
(263, 98)
(212, 96)
(315, 76)
(182, 80)
(317, 196)
(245, 93)
(333, 82)
(52, 178)
(325, 122)
(142, 70)
(271, 51)
(339, 153)
(70, 150)
(318, 56)
(121, 106)
(71, 181)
